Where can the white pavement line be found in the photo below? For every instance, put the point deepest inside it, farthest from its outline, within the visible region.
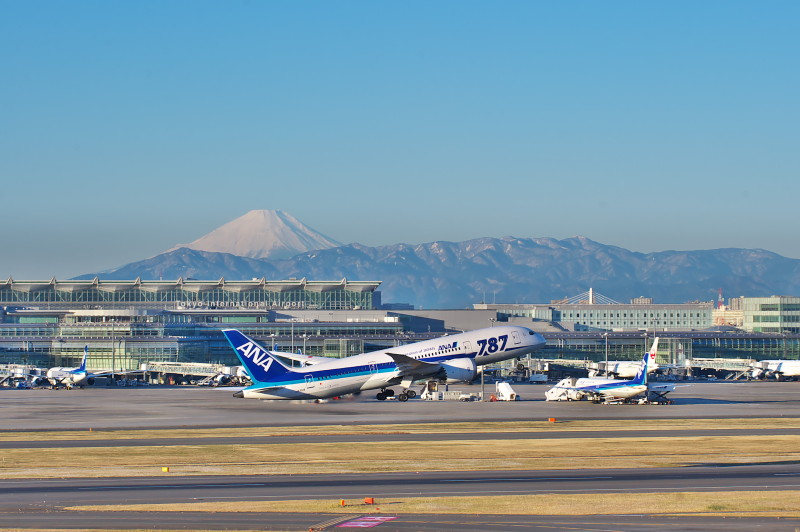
(163, 486)
(520, 479)
(311, 496)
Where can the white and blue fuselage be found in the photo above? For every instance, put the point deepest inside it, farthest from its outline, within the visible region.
(70, 376)
(779, 369)
(571, 389)
(454, 358)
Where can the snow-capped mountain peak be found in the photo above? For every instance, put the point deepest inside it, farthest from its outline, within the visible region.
(261, 234)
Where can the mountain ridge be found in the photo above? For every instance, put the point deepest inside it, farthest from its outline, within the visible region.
(443, 274)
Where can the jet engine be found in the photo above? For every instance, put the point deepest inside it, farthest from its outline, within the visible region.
(460, 370)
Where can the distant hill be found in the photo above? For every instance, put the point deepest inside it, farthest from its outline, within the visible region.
(505, 270)
(190, 263)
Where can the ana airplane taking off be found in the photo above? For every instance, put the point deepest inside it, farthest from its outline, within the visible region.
(454, 358)
(780, 369)
(603, 389)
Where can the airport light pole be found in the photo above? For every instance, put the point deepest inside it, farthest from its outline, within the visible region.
(606, 366)
(483, 383)
(272, 336)
(61, 350)
(112, 352)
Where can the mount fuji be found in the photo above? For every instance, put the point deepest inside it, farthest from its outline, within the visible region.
(262, 234)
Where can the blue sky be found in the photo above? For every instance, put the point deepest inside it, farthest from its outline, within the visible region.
(128, 127)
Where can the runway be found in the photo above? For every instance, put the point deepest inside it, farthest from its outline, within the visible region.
(170, 407)
(27, 503)
(395, 437)
(399, 523)
(152, 490)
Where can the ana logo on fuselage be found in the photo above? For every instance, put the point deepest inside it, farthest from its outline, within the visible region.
(256, 354)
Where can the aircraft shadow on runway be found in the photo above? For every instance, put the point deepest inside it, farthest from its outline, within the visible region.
(707, 401)
(769, 463)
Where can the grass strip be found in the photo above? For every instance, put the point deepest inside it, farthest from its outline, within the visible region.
(691, 503)
(110, 530)
(415, 428)
(371, 457)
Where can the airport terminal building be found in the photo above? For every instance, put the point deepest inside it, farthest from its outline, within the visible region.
(601, 317)
(191, 293)
(128, 323)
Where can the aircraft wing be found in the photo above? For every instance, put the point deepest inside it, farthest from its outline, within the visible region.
(307, 360)
(408, 366)
(108, 372)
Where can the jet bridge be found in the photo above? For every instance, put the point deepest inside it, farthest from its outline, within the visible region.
(731, 368)
(191, 373)
(9, 373)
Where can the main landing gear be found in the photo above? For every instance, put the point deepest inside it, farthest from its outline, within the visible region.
(384, 393)
(402, 396)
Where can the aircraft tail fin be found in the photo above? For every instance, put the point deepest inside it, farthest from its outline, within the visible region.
(83, 361)
(259, 363)
(647, 359)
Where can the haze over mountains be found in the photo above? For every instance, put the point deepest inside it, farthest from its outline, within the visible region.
(275, 245)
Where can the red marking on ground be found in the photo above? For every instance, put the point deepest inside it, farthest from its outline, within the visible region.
(368, 521)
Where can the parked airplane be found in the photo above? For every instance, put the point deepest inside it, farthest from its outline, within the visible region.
(622, 369)
(454, 358)
(80, 376)
(70, 377)
(780, 369)
(604, 389)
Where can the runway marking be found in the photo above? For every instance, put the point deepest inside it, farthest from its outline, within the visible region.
(503, 492)
(519, 479)
(333, 522)
(367, 521)
(160, 486)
